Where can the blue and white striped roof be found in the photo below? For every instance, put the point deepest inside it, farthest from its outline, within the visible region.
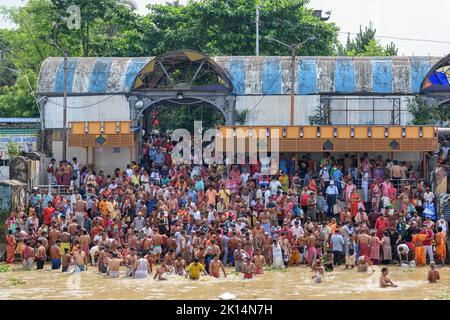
(251, 75)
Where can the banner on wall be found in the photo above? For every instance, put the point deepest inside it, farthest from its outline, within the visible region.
(25, 142)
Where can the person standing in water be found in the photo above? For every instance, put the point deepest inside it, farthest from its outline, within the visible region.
(384, 280)
(248, 268)
(141, 267)
(194, 269)
(161, 271)
(214, 267)
(320, 271)
(433, 274)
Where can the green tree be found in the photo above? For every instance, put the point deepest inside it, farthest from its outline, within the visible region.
(428, 112)
(365, 44)
(227, 27)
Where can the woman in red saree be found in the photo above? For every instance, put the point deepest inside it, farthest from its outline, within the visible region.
(10, 247)
(354, 201)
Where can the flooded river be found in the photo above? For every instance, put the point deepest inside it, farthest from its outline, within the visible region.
(293, 283)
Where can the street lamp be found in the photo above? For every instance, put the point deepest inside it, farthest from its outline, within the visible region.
(293, 48)
(64, 52)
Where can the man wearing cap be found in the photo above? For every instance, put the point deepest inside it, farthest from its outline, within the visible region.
(332, 197)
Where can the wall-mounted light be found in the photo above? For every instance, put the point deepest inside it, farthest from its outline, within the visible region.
(70, 125)
(267, 132)
(301, 132)
(403, 132)
(369, 132)
(250, 132)
(421, 132)
(352, 132)
(234, 131)
(386, 132)
(284, 132)
(139, 104)
(335, 132)
(117, 127)
(318, 132)
(180, 96)
(102, 127)
(86, 127)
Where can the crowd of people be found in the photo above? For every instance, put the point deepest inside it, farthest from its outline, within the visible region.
(193, 219)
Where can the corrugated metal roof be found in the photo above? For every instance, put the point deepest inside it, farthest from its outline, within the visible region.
(249, 75)
(20, 120)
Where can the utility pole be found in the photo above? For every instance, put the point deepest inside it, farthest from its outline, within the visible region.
(293, 48)
(66, 69)
(257, 30)
(65, 106)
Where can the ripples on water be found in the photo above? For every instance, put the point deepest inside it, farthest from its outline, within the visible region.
(295, 283)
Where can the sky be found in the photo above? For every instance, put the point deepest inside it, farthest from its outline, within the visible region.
(412, 19)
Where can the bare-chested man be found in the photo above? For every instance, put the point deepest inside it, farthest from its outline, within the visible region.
(80, 260)
(248, 268)
(53, 235)
(265, 219)
(433, 274)
(179, 266)
(40, 255)
(65, 240)
(170, 258)
(259, 262)
(130, 262)
(214, 267)
(55, 255)
(233, 244)
(258, 236)
(267, 248)
(161, 271)
(384, 280)
(157, 241)
(114, 265)
(79, 208)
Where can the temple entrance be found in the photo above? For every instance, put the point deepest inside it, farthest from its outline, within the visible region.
(177, 88)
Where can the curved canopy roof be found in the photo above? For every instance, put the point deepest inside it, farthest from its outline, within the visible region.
(438, 78)
(243, 75)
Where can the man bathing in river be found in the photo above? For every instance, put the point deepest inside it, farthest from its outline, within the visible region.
(248, 268)
(433, 274)
(161, 271)
(194, 269)
(214, 267)
(384, 280)
(114, 264)
(259, 262)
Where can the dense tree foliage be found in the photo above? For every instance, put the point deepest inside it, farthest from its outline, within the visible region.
(426, 111)
(109, 28)
(365, 44)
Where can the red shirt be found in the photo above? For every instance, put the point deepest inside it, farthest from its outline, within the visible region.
(429, 234)
(48, 215)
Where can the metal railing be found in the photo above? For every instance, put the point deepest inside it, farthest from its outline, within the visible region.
(55, 189)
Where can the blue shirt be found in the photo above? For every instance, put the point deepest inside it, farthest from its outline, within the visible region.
(284, 165)
(337, 242)
(331, 190)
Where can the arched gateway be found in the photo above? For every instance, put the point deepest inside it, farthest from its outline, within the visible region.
(182, 76)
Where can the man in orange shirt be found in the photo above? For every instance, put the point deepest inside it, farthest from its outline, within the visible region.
(211, 195)
(48, 212)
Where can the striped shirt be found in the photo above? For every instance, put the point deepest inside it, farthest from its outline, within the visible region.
(447, 212)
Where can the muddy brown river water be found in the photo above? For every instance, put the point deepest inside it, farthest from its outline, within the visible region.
(292, 284)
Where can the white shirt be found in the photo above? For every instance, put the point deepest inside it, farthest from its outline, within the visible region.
(297, 231)
(274, 184)
(244, 178)
(405, 249)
